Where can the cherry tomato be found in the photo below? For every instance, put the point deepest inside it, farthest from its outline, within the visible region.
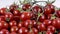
(41, 27)
(23, 30)
(26, 6)
(12, 23)
(56, 23)
(58, 13)
(8, 16)
(42, 18)
(37, 9)
(47, 22)
(51, 28)
(13, 7)
(25, 16)
(4, 31)
(14, 29)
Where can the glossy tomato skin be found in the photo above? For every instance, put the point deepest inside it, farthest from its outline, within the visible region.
(49, 9)
(52, 7)
(26, 6)
(47, 22)
(8, 16)
(13, 7)
(58, 13)
(12, 23)
(16, 12)
(13, 33)
(2, 11)
(20, 24)
(16, 18)
(14, 29)
(48, 32)
(37, 9)
(56, 23)
(3, 25)
(51, 28)
(4, 31)
(25, 16)
(42, 18)
(41, 27)
(2, 18)
(28, 23)
(24, 30)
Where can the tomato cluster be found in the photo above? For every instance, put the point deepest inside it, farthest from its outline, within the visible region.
(30, 20)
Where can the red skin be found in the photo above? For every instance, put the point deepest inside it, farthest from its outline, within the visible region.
(36, 9)
(4, 31)
(26, 6)
(52, 7)
(2, 18)
(16, 18)
(33, 31)
(24, 30)
(42, 18)
(16, 12)
(48, 32)
(13, 33)
(47, 22)
(25, 16)
(13, 7)
(28, 23)
(20, 24)
(8, 15)
(59, 33)
(12, 23)
(51, 28)
(34, 23)
(41, 27)
(58, 13)
(2, 11)
(56, 23)
(14, 29)
(49, 9)
(3, 25)
(49, 16)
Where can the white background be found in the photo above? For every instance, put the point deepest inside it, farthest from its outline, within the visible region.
(7, 3)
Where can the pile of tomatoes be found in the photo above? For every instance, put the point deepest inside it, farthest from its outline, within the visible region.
(30, 20)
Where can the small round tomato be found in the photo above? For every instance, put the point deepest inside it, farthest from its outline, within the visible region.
(20, 24)
(3, 25)
(42, 18)
(56, 23)
(34, 31)
(2, 18)
(47, 22)
(23, 30)
(16, 12)
(2, 11)
(13, 7)
(14, 29)
(8, 16)
(37, 9)
(4, 31)
(28, 23)
(26, 6)
(12, 23)
(41, 27)
(25, 16)
(58, 13)
(51, 28)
